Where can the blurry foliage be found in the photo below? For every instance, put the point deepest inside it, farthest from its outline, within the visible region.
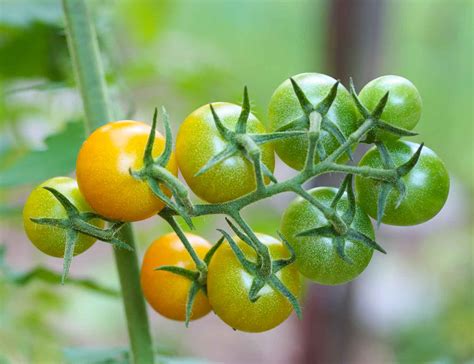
(58, 158)
(434, 48)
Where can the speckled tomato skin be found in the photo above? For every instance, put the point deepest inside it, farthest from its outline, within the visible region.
(199, 140)
(316, 257)
(167, 292)
(41, 203)
(103, 173)
(403, 108)
(228, 285)
(284, 108)
(427, 186)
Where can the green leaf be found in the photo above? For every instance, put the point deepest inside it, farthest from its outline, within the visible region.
(58, 159)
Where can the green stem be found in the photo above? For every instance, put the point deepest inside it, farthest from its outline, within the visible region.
(83, 46)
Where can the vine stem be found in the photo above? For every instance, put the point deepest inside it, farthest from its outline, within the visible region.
(84, 50)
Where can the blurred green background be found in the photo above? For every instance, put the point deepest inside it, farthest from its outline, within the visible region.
(414, 305)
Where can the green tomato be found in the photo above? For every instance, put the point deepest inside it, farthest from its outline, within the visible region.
(284, 108)
(228, 286)
(199, 140)
(41, 203)
(403, 108)
(427, 186)
(316, 256)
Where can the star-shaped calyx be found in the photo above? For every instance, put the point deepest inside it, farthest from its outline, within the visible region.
(262, 277)
(238, 141)
(155, 174)
(318, 111)
(79, 222)
(349, 233)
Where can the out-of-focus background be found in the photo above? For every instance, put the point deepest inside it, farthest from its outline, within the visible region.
(414, 305)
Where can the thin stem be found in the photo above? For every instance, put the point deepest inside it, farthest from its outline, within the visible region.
(84, 49)
(200, 265)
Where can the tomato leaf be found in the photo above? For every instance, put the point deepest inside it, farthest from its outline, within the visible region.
(59, 158)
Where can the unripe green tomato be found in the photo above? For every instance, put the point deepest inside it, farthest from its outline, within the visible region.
(42, 204)
(427, 185)
(199, 140)
(284, 107)
(228, 286)
(316, 256)
(403, 108)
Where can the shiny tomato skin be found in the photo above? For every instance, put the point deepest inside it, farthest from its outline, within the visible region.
(167, 292)
(228, 285)
(284, 108)
(42, 204)
(403, 108)
(427, 185)
(316, 256)
(199, 140)
(103, 173)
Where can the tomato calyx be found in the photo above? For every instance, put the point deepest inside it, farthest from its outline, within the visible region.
(79, 222)
(308, 121)
(246, 144)
(374, 118)
(261, 276)
(387, 186)
(154, 172)
(338, 235)
(198, 277)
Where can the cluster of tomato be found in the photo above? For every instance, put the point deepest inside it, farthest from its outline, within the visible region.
(106, 185)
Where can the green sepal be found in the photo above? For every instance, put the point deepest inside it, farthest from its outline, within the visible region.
(360, 107)
(327, 230)
(279, 264)
(364, 239)
(229, 151)
(385, 189)
(257, 284)
(278, 285)
(71, 239)
(380, 124)
(212, 251)
(302, 99)
(405, 168)
(340, 245)
(378, 110)
(335, 131)
(241, 126)
(326, 103)
(193, 291)
(225, 133)
(186, 273)
(247, 264)
(164, 158)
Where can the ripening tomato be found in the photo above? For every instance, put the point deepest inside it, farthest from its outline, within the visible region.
(228, 285)
(199, 140)
(427, 185)
(103, 172)
(284, 107)
(167, 292)
(42, 204)
(316, 256)
(403, 108)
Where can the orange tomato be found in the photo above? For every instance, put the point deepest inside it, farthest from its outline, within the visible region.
(103, 172)
(167, 292)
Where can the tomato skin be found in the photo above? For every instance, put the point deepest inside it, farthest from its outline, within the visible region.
(316, 257)
(103, 173)
(403, 108)
(167, 292)
(199, 140)
(228, 285)
(284, 108)
(41, 203)
(427, 185)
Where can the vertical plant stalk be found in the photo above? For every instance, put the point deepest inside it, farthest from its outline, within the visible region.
(84, 50)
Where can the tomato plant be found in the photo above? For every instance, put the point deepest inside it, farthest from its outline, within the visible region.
(127, 172)
(427, 186)
(403, 108)
(285, 107)
(41, 203)
(317, 256)
(167, 292)
(229, 284)
(199, 140)
(104, 166)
